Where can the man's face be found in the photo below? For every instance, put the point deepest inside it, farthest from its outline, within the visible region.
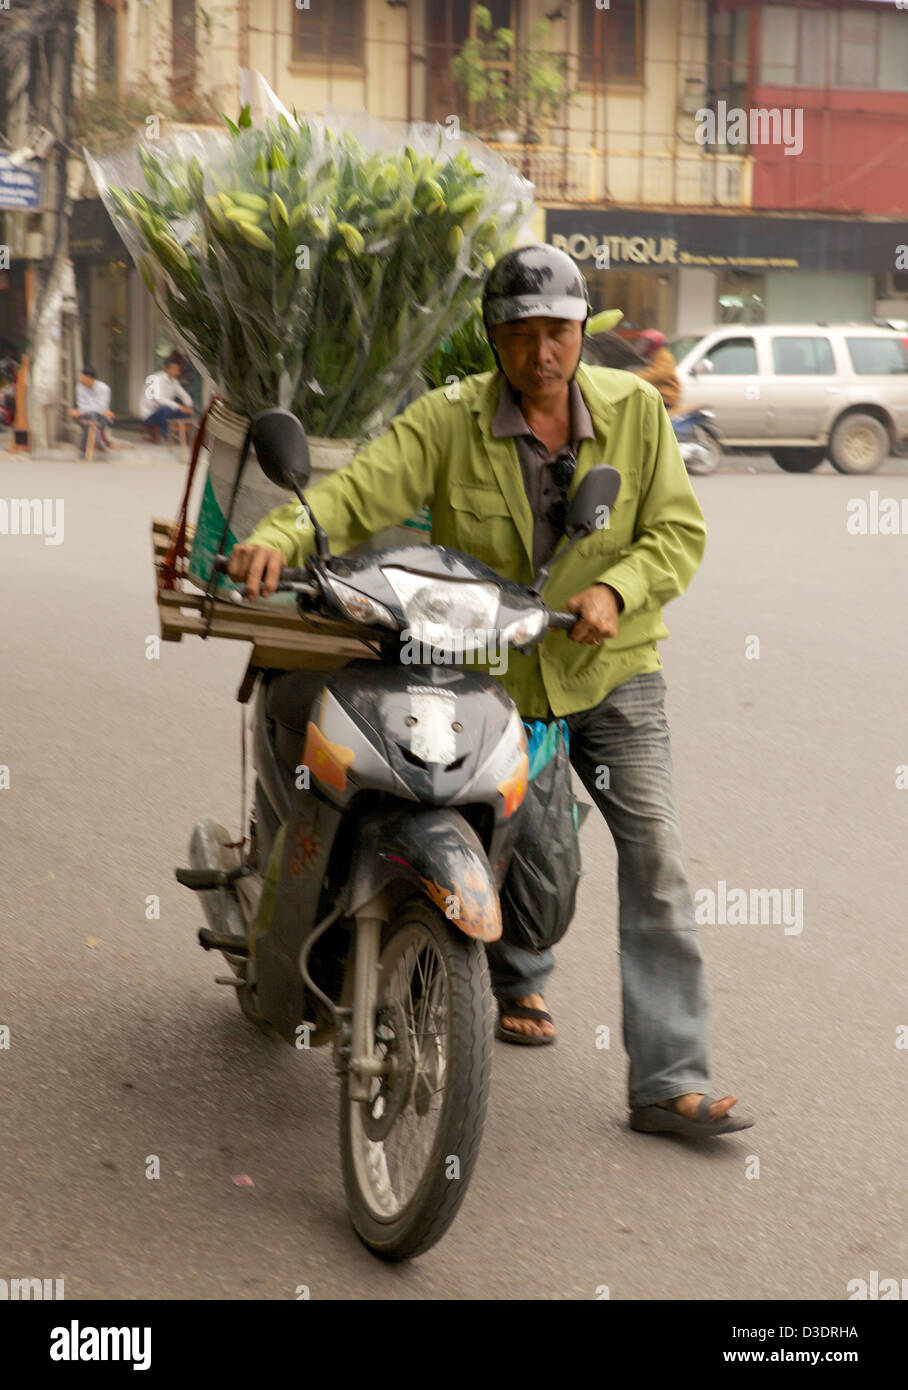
(539, 355)
(173, 369)
(86, 379)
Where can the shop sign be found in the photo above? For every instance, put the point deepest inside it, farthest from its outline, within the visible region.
(92, 234)
(19, 187)
(609, 251)
(613, 239)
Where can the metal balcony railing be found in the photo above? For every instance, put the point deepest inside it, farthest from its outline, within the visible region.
(579, 174)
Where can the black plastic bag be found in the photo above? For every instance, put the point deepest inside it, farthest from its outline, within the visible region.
(540, 890)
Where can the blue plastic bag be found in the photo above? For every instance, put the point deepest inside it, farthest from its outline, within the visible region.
(542, 745)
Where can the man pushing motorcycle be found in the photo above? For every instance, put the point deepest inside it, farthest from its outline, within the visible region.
(496, 457)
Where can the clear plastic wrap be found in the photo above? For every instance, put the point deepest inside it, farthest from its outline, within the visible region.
(311, 262)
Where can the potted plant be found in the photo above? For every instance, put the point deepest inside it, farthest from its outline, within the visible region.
(541, 88)
(510, 98)
(480, 70)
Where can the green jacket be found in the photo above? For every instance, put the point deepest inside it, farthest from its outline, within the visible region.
(440, 452)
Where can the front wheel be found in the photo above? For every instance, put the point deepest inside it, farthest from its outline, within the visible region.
(408, 1152)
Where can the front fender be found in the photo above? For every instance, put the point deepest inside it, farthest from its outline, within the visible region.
(437, 851)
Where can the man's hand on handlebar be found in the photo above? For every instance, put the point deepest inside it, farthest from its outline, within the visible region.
(598, 615)
(258, 565)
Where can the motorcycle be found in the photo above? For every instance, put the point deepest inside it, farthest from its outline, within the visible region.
(384, 817)
(695, 430)
(698, 440)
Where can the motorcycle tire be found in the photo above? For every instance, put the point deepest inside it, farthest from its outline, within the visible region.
(421, 952)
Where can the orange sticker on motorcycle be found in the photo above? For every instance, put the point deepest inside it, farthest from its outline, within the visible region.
(514, 788)
(307, 845)
(472, 905)
(328, 761)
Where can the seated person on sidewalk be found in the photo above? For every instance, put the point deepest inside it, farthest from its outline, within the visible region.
(92, 408)
(164, 399)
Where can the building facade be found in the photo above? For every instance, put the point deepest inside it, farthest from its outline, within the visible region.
(709, 160)
(802, 169)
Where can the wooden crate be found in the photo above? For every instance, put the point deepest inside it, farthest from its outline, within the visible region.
(280, 638)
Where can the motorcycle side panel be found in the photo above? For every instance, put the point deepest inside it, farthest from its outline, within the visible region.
(273, 781)
(308, 842)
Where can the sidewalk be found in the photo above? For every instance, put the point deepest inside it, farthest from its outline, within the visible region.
(141, 453)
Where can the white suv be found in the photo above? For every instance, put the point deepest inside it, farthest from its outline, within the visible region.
(802, 392)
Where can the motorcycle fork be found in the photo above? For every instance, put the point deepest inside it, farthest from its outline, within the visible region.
(363, 1064)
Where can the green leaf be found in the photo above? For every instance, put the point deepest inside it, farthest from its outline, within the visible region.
(604, 322)
(351, 329)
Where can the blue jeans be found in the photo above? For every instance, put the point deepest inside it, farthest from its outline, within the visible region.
(160, 418)
(93, 417)
(664, 994)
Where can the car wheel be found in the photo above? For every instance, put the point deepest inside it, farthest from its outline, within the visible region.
(859, 443)
(798, 460)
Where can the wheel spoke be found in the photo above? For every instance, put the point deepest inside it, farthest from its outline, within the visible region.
(417, 984)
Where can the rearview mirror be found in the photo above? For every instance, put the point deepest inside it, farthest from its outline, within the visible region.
(704, 367)
(594, 498)
(595, 495)
(282, 449)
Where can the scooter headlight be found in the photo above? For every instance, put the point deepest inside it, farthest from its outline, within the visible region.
(437, 610)
(360, 607)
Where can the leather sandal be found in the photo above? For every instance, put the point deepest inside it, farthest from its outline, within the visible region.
(667, 1119)
(509, 1008)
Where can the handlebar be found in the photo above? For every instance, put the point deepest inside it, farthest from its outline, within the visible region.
(296, 581)
(563, 620)
(299, 581)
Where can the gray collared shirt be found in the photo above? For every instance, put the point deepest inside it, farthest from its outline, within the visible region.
(536, 460)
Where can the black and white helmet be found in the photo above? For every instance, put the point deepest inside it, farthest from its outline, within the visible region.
(535, 281)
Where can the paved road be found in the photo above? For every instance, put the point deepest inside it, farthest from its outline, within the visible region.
(122, 1047)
